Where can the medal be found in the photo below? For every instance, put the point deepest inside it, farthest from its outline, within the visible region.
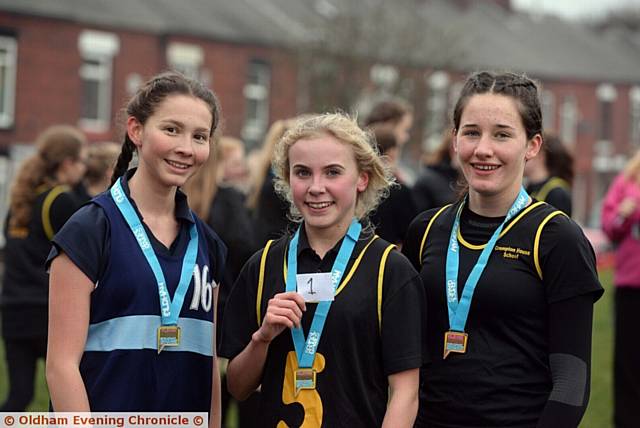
(304, 378)
(455, 341)
(168, 335)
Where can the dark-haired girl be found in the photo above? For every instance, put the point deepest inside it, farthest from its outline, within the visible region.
(134, 273)
(41, 202)
(550, 174)
(510, 282)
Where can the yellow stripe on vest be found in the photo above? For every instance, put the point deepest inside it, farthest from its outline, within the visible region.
(553, 183)
(383, 262)
(46, 209)
(536, 242)
(263, 261)
(426, 232)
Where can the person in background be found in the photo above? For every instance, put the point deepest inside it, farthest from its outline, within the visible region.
(621, 223)
(550, 174)
(360, 368)
(395, 116)
(268, 210)
(392, 217)
(222, 206)
(514, 350)
(437, 181)
(101, 159)
(41, 201)
(232, 164)
(134, 273)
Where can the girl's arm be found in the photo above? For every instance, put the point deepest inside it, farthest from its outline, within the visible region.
(245, 369)
(215, 413)
(403, 401)
(69, 301)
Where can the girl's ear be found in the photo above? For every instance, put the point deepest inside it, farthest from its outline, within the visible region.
(134, 130)
(533, 147)
(363, 181)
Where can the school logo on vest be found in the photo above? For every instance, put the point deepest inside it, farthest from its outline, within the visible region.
(202, 289)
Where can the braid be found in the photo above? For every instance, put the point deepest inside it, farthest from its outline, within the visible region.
(122, 164)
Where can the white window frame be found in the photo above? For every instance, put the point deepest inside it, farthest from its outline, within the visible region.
(100, 47)
(569, 120)
(438, 83)
(8, 62)
(548, 101)
(259, 92)
(186, 58)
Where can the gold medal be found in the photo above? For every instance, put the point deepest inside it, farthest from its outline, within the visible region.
(455, 341)
(304, 379)
(168, 335)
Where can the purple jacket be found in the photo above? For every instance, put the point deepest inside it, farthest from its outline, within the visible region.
(625, 233)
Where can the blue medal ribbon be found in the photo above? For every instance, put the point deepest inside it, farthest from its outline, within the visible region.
(459, 310)
(169, 310)
(306, 349)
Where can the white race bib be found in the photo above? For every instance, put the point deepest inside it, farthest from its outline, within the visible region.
(315, 287)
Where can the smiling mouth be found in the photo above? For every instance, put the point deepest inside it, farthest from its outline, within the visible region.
(486, 167)
(178, 165)
(318, 205)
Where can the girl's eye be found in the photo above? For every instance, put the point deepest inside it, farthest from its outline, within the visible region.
(502, 135)
(301, 173)
(201, 138)
(470, 133)
(333, 172)
(171, 129)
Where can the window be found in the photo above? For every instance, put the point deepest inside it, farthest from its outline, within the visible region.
(8, 63)
(437, 103)
(185, 58)
(634, 109)
(256, 94)
(548, 101)
(606, 94)
(569, 120)
(97, 50)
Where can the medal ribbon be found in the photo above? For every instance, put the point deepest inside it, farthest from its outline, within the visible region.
(170, 310)
(459, 311)
(306, 349)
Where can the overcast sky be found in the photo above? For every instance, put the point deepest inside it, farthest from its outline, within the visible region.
(574, 8)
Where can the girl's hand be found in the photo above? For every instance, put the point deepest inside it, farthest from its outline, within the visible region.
(284, 310)
(627, 207)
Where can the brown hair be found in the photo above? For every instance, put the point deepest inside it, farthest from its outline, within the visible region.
(632, 169)
(100, 158)
(55, 145)
(150, 95)
(558, 159)
(388, 112)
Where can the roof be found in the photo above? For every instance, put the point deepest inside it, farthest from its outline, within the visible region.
(435, 33)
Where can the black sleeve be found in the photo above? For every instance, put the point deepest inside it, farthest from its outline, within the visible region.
(403, 315)
(413, 240)
(567, 261)
(570, 323)
(240, 319)
(62, 208)
(560, 199)
(84, 238)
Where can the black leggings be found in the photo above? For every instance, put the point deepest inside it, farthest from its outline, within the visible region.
(22, 356)
(626, 357)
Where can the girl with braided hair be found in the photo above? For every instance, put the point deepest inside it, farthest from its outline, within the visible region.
(134, 273)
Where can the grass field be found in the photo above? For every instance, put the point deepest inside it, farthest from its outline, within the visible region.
(598, 414)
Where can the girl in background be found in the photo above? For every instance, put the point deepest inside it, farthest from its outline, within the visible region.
(621, 223)
(41, 202)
